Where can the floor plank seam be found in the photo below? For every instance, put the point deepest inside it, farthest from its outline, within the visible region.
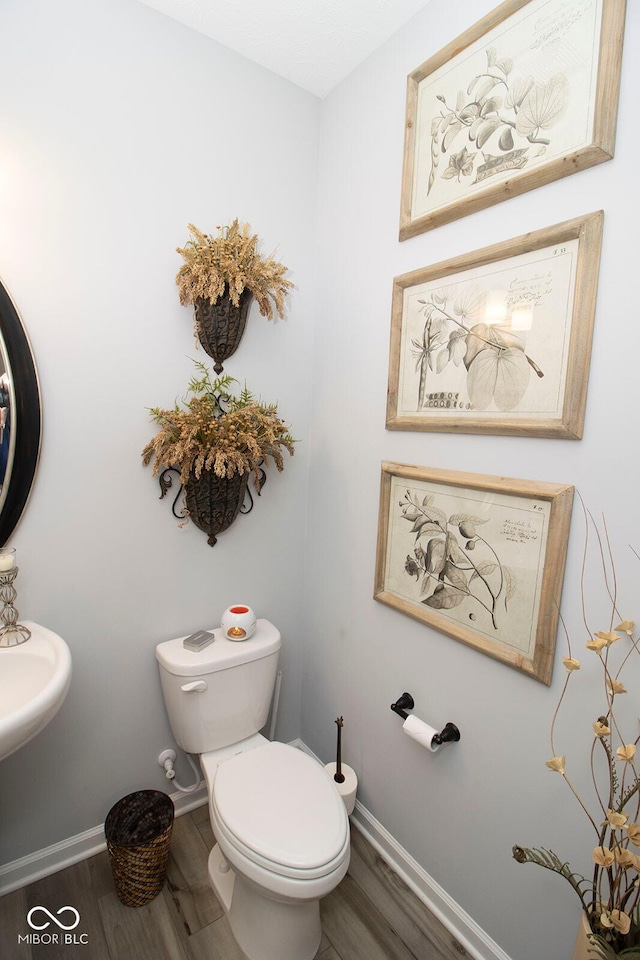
(371, 915)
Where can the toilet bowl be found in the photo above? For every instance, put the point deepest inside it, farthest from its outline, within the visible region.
(281, 828)
(282, 844)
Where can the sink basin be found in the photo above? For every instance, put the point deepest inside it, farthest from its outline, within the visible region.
(34, 680)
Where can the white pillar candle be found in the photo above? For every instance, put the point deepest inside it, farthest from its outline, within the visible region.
(7, 560)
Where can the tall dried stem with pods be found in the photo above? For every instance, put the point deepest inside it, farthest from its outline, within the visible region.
(610, 898)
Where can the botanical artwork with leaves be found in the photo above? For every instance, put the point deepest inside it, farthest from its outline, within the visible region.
(520, 96)
(514, 116)
(489, 341)
(472, 557)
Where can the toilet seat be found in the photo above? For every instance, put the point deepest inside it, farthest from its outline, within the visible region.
(277, 808)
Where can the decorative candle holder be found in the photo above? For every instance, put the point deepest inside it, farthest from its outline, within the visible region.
(7, 559)
(12, 633)
(238, 622)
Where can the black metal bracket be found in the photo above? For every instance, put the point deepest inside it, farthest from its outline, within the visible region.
(450, 733)
(402, 704)
(166, 482)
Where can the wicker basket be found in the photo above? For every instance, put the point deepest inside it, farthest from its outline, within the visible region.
(138, 831)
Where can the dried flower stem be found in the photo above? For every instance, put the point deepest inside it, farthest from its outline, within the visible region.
(612, 902)
(218, 431)
(227, 264)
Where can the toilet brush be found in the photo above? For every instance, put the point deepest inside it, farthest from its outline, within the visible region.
(338, 775)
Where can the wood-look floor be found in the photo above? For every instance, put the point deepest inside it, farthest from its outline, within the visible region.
(372, 914)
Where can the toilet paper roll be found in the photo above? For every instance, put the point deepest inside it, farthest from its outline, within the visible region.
(347, 789)
(421, 732)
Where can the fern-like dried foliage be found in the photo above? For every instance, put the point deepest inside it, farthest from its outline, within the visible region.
(230, 263)
(217, 430)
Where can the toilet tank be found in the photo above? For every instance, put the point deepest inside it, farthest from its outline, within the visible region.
(222, 694)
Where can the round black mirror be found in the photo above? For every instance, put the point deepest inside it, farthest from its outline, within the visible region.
(20, 417)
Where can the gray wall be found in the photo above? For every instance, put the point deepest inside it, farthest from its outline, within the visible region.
(121, 127)
(460, 811)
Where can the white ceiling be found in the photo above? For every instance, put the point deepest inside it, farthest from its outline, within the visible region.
(313, 43)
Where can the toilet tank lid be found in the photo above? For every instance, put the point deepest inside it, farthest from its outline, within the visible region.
(219, 655)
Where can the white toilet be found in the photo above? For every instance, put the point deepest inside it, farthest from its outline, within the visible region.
(280, 823)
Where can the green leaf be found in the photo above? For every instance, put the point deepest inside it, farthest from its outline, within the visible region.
(599, 949)
(551, 861)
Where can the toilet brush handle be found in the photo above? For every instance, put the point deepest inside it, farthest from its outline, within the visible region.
(338, 775)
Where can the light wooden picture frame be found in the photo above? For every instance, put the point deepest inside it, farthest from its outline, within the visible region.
(476, 557)
(498, 341)
(527, 95)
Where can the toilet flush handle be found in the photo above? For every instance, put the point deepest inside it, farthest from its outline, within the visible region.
(196, 686)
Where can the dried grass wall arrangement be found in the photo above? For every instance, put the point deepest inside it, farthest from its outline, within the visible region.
(220, 275)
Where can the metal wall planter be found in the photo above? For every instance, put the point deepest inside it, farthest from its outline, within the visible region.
(214, 502)
(220, 325)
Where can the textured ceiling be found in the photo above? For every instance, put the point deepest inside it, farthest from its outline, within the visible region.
(313, 43)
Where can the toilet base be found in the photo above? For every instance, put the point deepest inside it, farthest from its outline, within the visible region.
(265, 928)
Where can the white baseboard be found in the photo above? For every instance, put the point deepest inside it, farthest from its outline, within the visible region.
(472, 937)
(57, 857)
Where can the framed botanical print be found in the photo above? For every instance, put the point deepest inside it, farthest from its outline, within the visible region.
(479, 558)
(527, 95)
(498, 340)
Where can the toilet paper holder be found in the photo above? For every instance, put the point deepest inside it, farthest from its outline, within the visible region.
(450, 733)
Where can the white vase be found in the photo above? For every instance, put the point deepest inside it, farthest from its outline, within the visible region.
(581, 948)
(582, 945)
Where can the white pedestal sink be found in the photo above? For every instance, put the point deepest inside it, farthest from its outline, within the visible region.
(34, 680)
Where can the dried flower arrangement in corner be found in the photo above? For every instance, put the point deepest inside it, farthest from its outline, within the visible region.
(215, 442)
(231, 262)
(611, 897)
(218, 431)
